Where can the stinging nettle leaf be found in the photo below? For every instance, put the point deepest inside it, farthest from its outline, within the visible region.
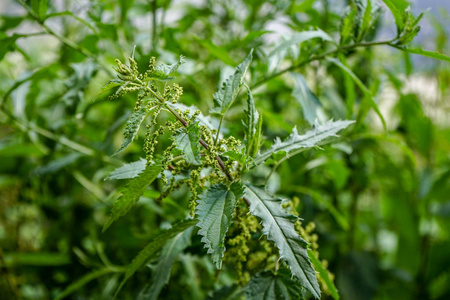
(164, 72)
(230, 88)
(268, 285)
(156, 243)
(128, 171)
(308, 140)
(133, 191)
(278, 226)
(252, 126)
(187, 140)
(215, 210)
(110, 85)
(161, 271)
(132, 127)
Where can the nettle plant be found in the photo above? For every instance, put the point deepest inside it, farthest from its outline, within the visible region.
(215, 167)
(227, 209)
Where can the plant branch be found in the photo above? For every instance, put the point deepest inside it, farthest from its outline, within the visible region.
(322, 56)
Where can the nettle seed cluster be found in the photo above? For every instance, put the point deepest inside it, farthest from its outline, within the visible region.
(156, 96)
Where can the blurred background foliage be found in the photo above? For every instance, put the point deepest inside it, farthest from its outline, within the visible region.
(379, 197)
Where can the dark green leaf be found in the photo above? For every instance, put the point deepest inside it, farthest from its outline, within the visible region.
(269, 286)
(161, 271)
(156, 243)
(278, 226)
(133, 191)
(187, 140)
(128, 171)
(215, 210)
(110, 85)
(252, 126)
(219, 52)
(230, 88)
(40, 7)
(132, 127)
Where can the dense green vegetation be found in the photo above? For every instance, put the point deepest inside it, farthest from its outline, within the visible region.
(223, 150)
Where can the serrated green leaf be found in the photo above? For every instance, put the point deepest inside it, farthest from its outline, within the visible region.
(278, 226)
(132, 127)
(268, 285)
(133, 191)
(420, 51)
(253, 131)
(128, 171)
(308, 140)
(164, 72)
(311, 106)
(187, 140)
(366, 20)
(73, 287)
(161, 271)
(361, 85)
(230, 88)
(110, 85)
(347, 24)
(156, 243)
(215, 210)
(323, 273)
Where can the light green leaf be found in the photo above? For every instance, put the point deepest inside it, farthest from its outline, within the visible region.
(110, 85)
(323, 273)
(300, 37)
(396, 8)
(347, 25)
(268, 285)
(187, 140)
(132, 127)
(278, 226)
(40, 7)
(218, 52)
(73, 287)
(161, 271)
(164, 72)
(252, 126)
(156, 243)
(361, 85)
(128, 171)
(420, 51)
(133, 191)
(215, 210)
(308, 140)
(230, 88)
(311, 106)
(366, 20)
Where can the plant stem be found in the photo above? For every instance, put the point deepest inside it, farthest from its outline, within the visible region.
(322, 56)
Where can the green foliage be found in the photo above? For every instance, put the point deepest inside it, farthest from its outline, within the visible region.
(215, 210)
(187, 140)
(273, 286)
(230, 88)
(278, 226)
(297, 142)
(373, 199)
(133, 191)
